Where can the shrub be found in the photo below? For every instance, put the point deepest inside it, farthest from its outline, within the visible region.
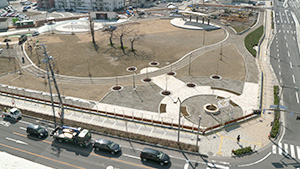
(276, 123)
(242, 151)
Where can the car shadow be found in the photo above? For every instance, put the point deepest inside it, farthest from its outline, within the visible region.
(35, 138)
(108, 154)
(155, 164)
(12, 121)
(58, 147)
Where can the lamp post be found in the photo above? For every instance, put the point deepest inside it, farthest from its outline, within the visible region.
(198, 132)
(175, 102)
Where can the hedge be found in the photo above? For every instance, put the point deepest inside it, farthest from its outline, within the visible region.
(242, 151)
(252, 39)
(276, 123)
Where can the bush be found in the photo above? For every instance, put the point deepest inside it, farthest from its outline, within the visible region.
(276, 123)
(242, 151)
(252, 39)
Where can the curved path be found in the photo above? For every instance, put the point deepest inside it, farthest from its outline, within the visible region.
(231, 37)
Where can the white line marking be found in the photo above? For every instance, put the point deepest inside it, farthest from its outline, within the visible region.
(17, 141)
(298, 152)
(211, 165)
(279, 66)
(186, 165)
(278, 73)
(103, 122)
(131, 156)
(293, 78)
(22, 128)
(289, 55)
(280, 148)
(292, 151)
(25, 122)
(92, 119)
(80, 118)
(291, 65)
(277, 54)
(246, 165)
(287, 46)
(5, 123)
(280, 17)
(71, 114)
(297, 97)
(294, 38)
(280, 81)
(132, 148)
(274, 149)
(287, 16)
(138, 129)
(152, 131)
(287, 31)
(284, 37)
(114, 123)
(286, 148)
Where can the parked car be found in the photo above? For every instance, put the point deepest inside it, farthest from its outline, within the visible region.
(35, 33)
(37, 130)
(35, 4)
(24, 10)
(107, 145)
(154, 155)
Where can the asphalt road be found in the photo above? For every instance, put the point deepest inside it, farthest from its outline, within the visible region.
(14, 140)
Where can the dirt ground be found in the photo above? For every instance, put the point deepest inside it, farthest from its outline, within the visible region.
(169, 45)
(75, 55)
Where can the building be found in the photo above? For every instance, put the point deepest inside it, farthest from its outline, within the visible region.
(89, 5)
(3, 3)
(46, 4)
(3, 23)
(103, 15)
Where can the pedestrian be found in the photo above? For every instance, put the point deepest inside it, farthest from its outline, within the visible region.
(238, 138)
(23, 60)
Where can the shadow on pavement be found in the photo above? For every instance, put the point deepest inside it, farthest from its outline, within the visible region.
(59, 147)
(108, 154)
(155, 164)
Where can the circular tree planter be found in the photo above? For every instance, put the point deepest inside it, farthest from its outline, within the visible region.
(165, 93)
(147, 80)
(211, 109)
(171, 73)
(153, 63)
(215, 77)
(131, 69)
(116, 88)
(190, 84)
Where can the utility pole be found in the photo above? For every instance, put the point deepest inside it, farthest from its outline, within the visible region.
(47, 60)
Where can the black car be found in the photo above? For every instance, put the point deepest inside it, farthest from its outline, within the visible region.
(154, 155)
(37, 130)
(107, 145)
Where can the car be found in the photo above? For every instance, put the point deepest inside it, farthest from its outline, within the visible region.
(35, 4)
(154, 155)
(107, 145)
(35, 33)
(24, 10)
(36, 130)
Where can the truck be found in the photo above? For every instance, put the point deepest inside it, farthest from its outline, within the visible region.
(13, 113)
(78, 136)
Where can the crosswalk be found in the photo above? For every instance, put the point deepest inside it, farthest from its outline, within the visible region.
(287, 149)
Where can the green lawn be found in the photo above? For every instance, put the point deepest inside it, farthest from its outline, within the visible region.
(252, 39)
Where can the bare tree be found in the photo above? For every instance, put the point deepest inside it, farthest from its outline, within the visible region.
(135, 37)
(92, 28)
(123, 31)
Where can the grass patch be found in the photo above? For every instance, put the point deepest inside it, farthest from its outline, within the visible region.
(242, 151)
(109, 131)
(252, 39)
(276, 123)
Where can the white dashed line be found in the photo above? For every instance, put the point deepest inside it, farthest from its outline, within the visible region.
(22, 128)
(274, 149)
(131, 156)
(287, 46)
(279, 73)
(286, 148)
(293, 78)
(279, 66)
(289, 55)
(280, 149)
(291, 65)
(294, 38)
(297, 97)
(284, 37)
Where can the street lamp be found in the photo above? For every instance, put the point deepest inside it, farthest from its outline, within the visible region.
(198, 132)
(175, 102)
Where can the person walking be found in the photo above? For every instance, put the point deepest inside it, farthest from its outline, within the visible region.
(238, 138)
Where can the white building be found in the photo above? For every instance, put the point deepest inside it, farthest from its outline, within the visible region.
(89, 5)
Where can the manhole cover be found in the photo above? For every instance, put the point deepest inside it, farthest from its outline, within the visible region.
(153, 63)
(147, 80)
(131, 69)
(215, 77)
(116, 88)
(190, 84)
(165, 93)
(171, 73)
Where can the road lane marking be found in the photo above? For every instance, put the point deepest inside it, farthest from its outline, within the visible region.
(286, 148)
(93, 153)
(278, 55)
(280, 148)
(289, 55)
(293, 78)
(279, 73)
(186, 165)
(22, 128)
(17, 141)
(286, 44)
(287, 16)
(297, 97)
(24, 122)
(277, 50)
(280, 81)
(5, 123)
(280, 16)
(212, 165)
(279, 66)
(287, 31)
(291, 65)
(294, 38)
(284, 37)
(131, 156)
(292, 151)
(298, 152)
(38, 155)
(247, 165)
(274, 149)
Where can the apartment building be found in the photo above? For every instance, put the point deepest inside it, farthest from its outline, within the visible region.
(139, 3)
(89, 5)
